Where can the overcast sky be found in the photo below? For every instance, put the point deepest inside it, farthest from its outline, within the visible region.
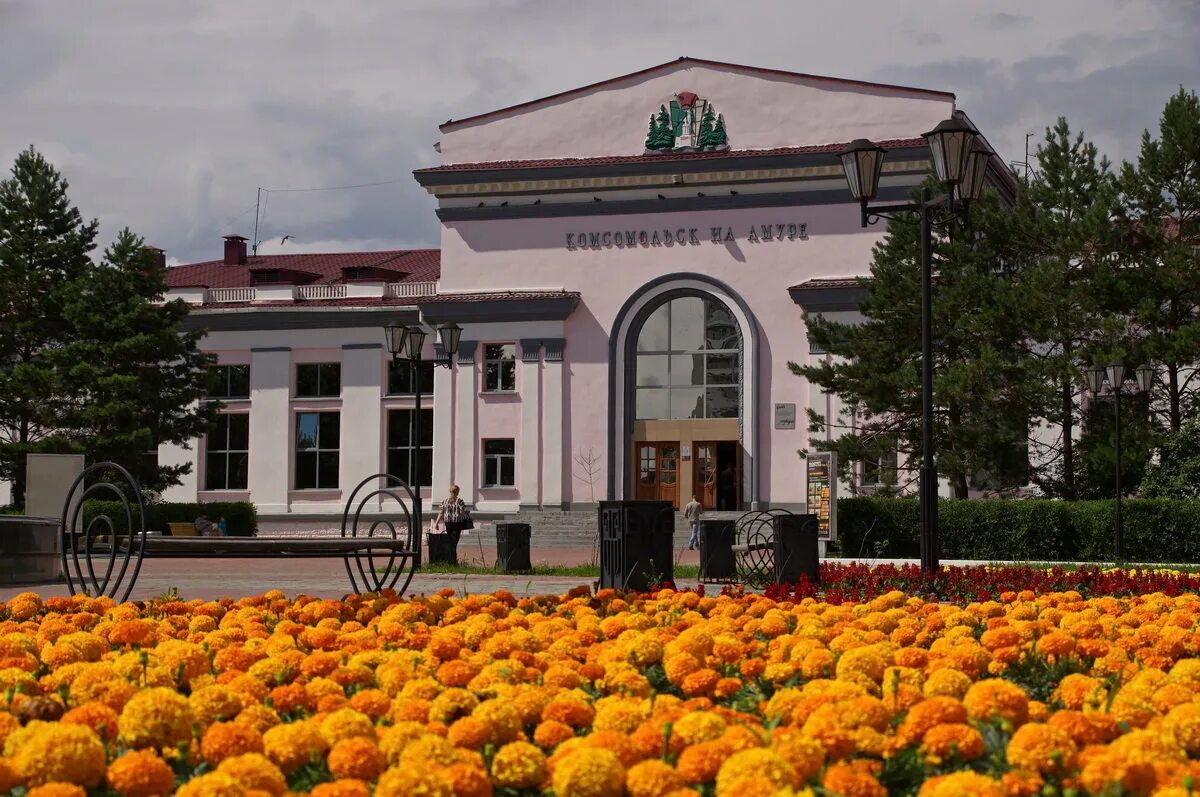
(166, 116)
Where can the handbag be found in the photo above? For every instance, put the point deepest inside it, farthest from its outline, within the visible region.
(467, 522)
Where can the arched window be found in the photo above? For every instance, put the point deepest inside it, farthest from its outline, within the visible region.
(689, 355)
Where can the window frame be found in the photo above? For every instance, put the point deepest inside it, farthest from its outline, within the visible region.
(320, 366)
(317, 450)
(499, 460)
(503, 365)
(228, 453)
(425, 366)
(424, 450)
(227, 394)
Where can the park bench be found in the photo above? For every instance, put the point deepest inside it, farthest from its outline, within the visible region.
(120, 548)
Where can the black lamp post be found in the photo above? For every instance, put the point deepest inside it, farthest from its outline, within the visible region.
(960, 160)
(1114, 373)
(405, 344)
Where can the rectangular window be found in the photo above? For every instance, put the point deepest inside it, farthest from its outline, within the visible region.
(400, 445)
(227, 458)
(229, 382)
(499, 463)
(318, 440)
(500, 367)
(319, 380)
(403, 375)
(880, 471)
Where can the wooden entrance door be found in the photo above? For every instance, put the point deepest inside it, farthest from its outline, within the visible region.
(657, 477)
(704, 474)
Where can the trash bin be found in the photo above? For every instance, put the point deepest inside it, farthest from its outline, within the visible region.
(443, 548)
(796, 549)
(512, 547)
(716, 550)
(636, 544)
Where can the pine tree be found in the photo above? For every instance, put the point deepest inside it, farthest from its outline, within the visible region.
(1162, 192)
(44, 247)
(133, 379)
(984, 374)
(1061, 228)
(719, 137)
(664, 137)
(707, 124)
(652, 135)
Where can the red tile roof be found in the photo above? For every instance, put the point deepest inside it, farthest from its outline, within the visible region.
(753, 70)
(829, 283)
(419, 265)
(408, 301)
(609, 160)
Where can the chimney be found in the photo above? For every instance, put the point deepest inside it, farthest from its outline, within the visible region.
(235, 250)
(157, 256)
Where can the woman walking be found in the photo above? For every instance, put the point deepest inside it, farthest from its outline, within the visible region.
(454, 514)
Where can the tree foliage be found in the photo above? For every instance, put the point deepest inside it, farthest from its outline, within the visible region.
(1176, 474)
(91, 359)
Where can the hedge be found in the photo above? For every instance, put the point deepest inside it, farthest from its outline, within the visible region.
(241, 517)
(1156, 530)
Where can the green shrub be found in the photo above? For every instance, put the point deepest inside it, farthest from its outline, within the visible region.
(1156, 530)
(240, 516)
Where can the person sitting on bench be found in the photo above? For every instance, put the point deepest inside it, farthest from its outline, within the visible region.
(205, 527)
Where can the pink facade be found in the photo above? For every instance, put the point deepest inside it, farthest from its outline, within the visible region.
(561, 235)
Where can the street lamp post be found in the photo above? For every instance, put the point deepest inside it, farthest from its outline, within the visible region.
(1114, 374)
(960, 159)
(404, 344)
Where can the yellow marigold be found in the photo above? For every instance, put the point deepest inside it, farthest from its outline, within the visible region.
(60, 752)
(292, 746)
(227, 739)
(396, 738)
(589, 772)
(452, 704)
(947, 683)
(1043, 749)
(258, 717)
(356, 758)
(213, 704)
(869, 660)
(652, 778)
(952, 740)
(698, 726)
(1078, 691)
(211, 784)
(346, 723)
(413, 782)
(254, 771)
(1184, 722)
(519, 765)
(141, 773)
(994, 697)
(156, 717)
(747, 764)
(430, 750)
(57, 789)
(619, 715)
(961, 784)
(501, 718)
(804, 753)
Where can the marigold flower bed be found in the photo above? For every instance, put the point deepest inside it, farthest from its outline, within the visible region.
(669, 694)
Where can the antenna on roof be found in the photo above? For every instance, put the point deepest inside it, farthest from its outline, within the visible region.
(257, 203)
(1025, 163)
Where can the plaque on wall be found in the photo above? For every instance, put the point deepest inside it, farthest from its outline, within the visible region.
(785, 416)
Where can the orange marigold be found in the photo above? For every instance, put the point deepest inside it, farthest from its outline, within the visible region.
(1042, 749)
(961, 784)
(227, 739)
(851, 780)
(356, 758)
(57, 789)
(100, 718)
(997, 698)
(551, 733)
(341, 788)
(652, 778)
(748, 764)
(140, 773)
(519, 765)
(413, 782)
(211, 784)
(589, 772)
(952, 740)
(293, 745)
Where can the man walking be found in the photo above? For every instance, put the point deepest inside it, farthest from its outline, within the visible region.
(692, 513)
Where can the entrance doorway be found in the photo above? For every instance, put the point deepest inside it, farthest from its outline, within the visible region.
(657, 472)
(728, 481)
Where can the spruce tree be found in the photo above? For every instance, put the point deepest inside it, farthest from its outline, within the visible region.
(133, 379)
(665, 138)
(707, 124)
(1162, 193)
(1061, 228)
(719, 136)
(652, 135)
(983, 374)
(44, 247)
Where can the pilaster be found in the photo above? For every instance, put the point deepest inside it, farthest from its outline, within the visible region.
(553, 434)
(270, 428)
(529, 454)
(466, 447)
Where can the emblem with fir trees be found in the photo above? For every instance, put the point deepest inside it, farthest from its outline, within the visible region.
(709, 131)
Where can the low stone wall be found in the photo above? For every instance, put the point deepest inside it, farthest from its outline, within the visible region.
(30, 549)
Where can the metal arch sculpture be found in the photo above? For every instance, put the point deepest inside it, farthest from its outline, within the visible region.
(134, 534)
(755, 547)
(376, 581)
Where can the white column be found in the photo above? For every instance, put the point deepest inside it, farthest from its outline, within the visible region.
(362, 435)
(466, 447)
(170, 455)
(270, 428)
(443, 429)
(554, 437)
(529, 455)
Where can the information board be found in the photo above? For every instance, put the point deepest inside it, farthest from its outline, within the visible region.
(822, 492)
